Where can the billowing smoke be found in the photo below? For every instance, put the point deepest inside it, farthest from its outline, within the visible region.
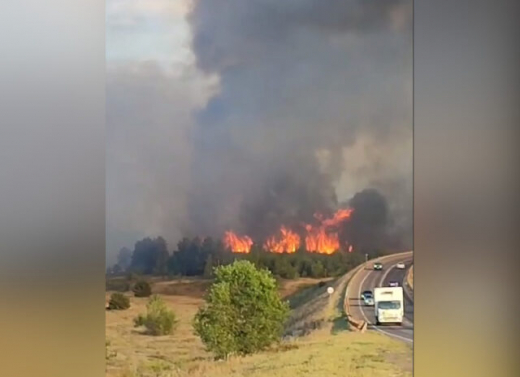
(303, 84)
(367, 228)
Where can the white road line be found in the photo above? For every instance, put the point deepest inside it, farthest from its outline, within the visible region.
(385, 275)
(365, 316)
(405, 320)
(391, 334)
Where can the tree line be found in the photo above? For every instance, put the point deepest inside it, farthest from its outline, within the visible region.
(199, 257)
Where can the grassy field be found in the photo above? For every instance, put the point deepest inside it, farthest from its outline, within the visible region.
(329, 350)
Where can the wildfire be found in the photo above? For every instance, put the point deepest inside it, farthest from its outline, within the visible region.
(288, 242)
(318, 241)
(322, 238)
(338, 217)
(237, 244)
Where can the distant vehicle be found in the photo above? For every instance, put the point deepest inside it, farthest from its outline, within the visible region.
(401, 266)
(368, 298)
(393, 284)
(389, 306)
(378, 266)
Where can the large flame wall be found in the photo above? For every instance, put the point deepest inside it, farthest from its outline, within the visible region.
(321, 238)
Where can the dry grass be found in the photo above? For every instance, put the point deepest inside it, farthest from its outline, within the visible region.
(291, 287)
(132, 348)
(321, 353)
(191, 287)
(196, 287)
(409, 277)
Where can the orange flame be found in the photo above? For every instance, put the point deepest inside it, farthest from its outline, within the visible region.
(338, 217)
(318, 241)
(289, 242)
(324, 239)
(237, 244)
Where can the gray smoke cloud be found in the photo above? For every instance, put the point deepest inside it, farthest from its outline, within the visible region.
(302, 83)
(288, 108)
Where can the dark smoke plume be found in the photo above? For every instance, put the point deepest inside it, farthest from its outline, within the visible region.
(301, 82)
(367, 227)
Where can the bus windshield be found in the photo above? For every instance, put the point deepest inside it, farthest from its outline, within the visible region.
(389, 305)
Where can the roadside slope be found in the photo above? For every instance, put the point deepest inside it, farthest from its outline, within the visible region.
(320, 308)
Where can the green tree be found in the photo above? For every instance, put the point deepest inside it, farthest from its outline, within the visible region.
(161, 257)
(189, 258)
(150, 256)
(243, 312)
(158, 320)
(317, 269)
(208, 268)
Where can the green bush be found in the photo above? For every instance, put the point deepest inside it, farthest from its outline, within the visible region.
(142, 289)
(118, 301)
(158, 320)
(243, 312)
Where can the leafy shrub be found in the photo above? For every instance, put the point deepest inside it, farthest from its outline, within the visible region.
(159, 320)
(243, 312)
(142, 289)
(118, 301)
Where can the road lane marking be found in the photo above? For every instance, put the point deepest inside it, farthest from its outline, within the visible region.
(386, 274)
(366, 318)
(406, 321)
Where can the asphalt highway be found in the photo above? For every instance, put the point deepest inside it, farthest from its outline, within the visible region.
(368, 279)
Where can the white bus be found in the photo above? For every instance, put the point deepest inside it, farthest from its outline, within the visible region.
(388, 305)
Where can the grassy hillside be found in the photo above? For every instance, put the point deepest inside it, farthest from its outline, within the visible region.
(329, 350)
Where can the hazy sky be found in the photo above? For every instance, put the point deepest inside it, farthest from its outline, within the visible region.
(187, 90)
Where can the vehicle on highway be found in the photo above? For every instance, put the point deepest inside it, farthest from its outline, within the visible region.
(401, 265)
(389, 305)
(378, 266)
(368, 298)
(393, 284)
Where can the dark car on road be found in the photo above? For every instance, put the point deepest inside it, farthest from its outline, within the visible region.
(378, 266)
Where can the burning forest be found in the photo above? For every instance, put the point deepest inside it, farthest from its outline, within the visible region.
(321, 237)
(322, 244)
